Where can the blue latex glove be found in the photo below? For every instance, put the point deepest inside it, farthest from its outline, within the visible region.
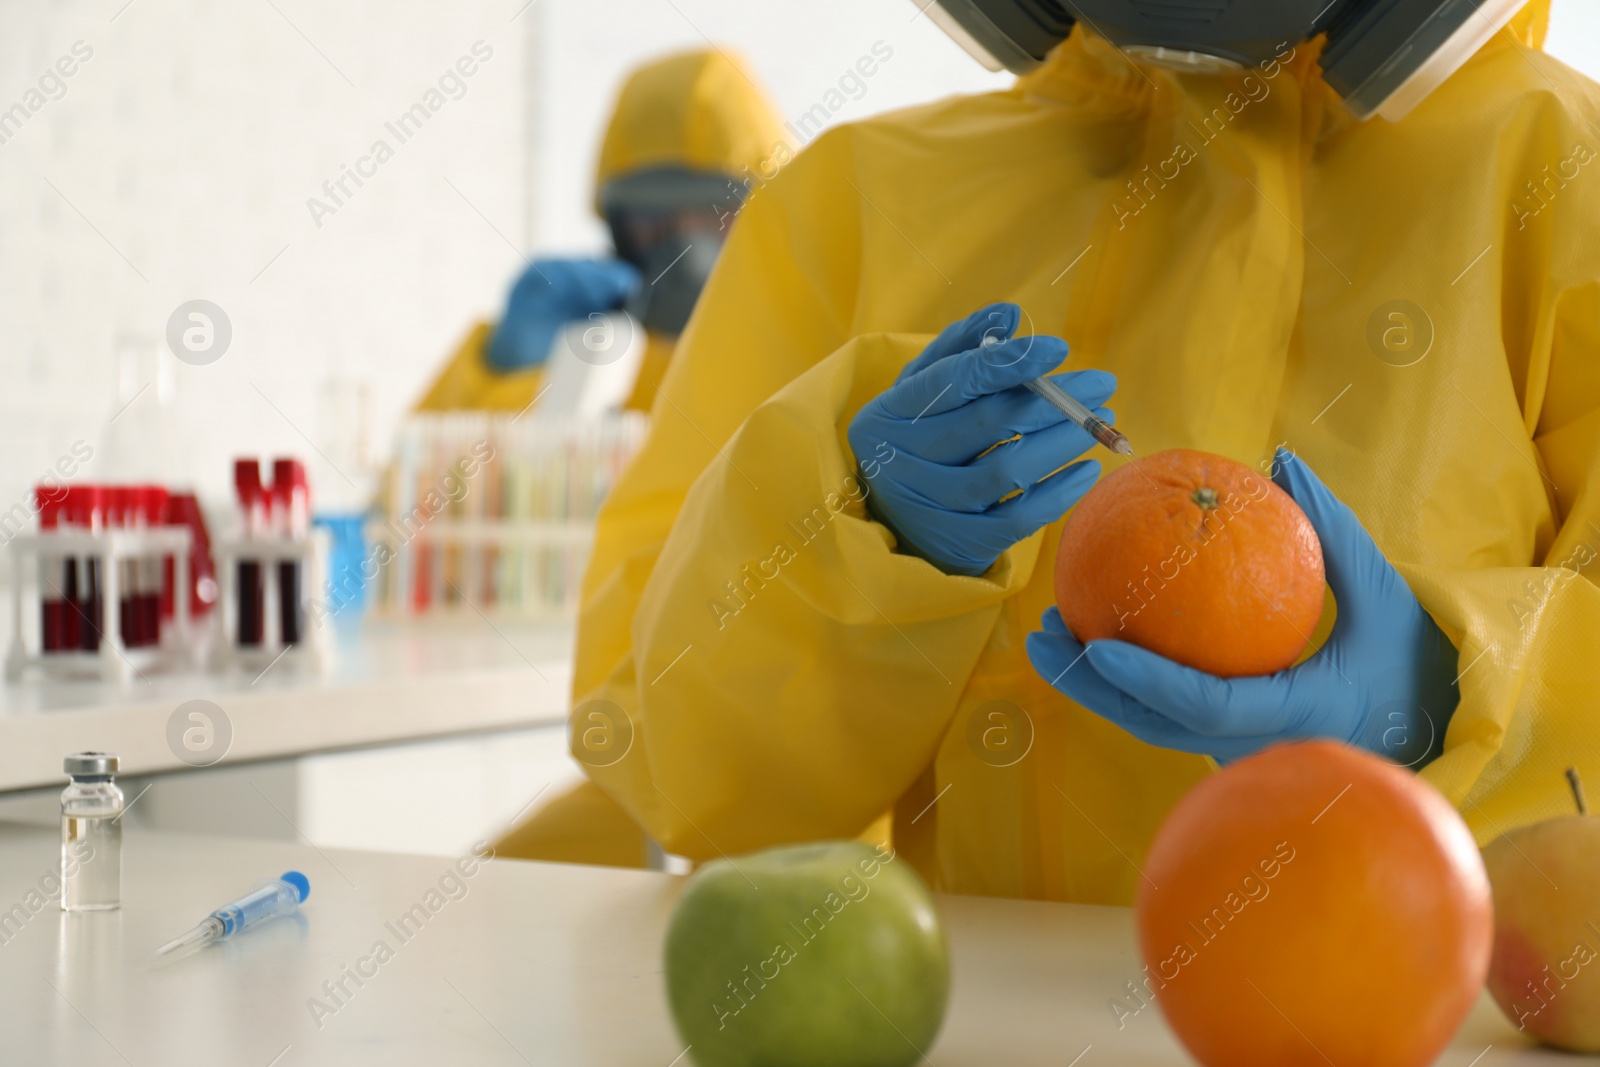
(1385, 681)
(929, 448)
(550, 294)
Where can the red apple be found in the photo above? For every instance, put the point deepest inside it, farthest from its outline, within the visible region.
(1545, 974)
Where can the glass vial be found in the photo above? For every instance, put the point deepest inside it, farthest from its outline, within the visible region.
(91, 834)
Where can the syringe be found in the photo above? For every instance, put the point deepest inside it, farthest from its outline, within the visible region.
(1093, 424)
(278, 897)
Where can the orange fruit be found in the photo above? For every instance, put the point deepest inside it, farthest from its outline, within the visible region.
(1196, 557)
(1314, 904)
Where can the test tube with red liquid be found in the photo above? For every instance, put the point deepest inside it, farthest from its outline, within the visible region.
(56, 575)
(153, 514)
(85, 613)
(119, 516)
(252, 604)
(291, 518)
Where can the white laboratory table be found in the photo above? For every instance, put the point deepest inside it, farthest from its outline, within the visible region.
(399, 681)
(534, 964)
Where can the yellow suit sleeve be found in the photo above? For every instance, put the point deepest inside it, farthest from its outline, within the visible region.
(467, 382)
(779, 671)
(652, 367)
(1528, 636)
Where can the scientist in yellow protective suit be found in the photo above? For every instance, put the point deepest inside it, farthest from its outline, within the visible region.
(805, 609)
(689, 136)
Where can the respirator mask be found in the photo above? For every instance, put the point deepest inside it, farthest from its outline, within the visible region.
(669, 223)
(1382, 56)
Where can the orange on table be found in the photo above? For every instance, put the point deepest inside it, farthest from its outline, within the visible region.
(1194, 556)
(1315, 904)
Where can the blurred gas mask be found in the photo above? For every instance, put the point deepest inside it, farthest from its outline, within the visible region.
(1382, 56)
(669, 223)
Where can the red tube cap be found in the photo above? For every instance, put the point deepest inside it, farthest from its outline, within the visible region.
(287, 475)
(82, 504)
(247, 480)
(51, 501)
(153, 504)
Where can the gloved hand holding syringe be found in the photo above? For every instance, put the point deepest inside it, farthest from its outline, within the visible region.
(281, 896)
(962, 464)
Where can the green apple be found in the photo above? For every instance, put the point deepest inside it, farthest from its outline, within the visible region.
(1545, 974)
(825, 955)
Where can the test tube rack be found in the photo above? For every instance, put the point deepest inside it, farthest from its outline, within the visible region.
(529, 567)
(313, 650)
(112, 659)
(494, 513)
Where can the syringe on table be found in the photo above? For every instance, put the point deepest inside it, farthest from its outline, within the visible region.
(281, 896)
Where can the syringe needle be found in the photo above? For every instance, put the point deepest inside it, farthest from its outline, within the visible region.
(208, 931)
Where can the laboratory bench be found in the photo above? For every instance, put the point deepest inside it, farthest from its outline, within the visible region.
(524, 963)
(397, 681)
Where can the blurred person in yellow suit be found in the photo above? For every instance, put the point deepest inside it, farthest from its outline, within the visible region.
(689, 135)
(1410, 305)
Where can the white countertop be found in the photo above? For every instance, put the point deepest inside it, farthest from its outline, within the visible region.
(399, 681)
(534, 964)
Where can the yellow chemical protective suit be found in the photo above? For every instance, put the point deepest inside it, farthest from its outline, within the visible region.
(1412, 308)
(699, 110)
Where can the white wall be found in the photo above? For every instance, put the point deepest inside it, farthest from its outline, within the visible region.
(1575, 35)
(179, 161)
(799, 51)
